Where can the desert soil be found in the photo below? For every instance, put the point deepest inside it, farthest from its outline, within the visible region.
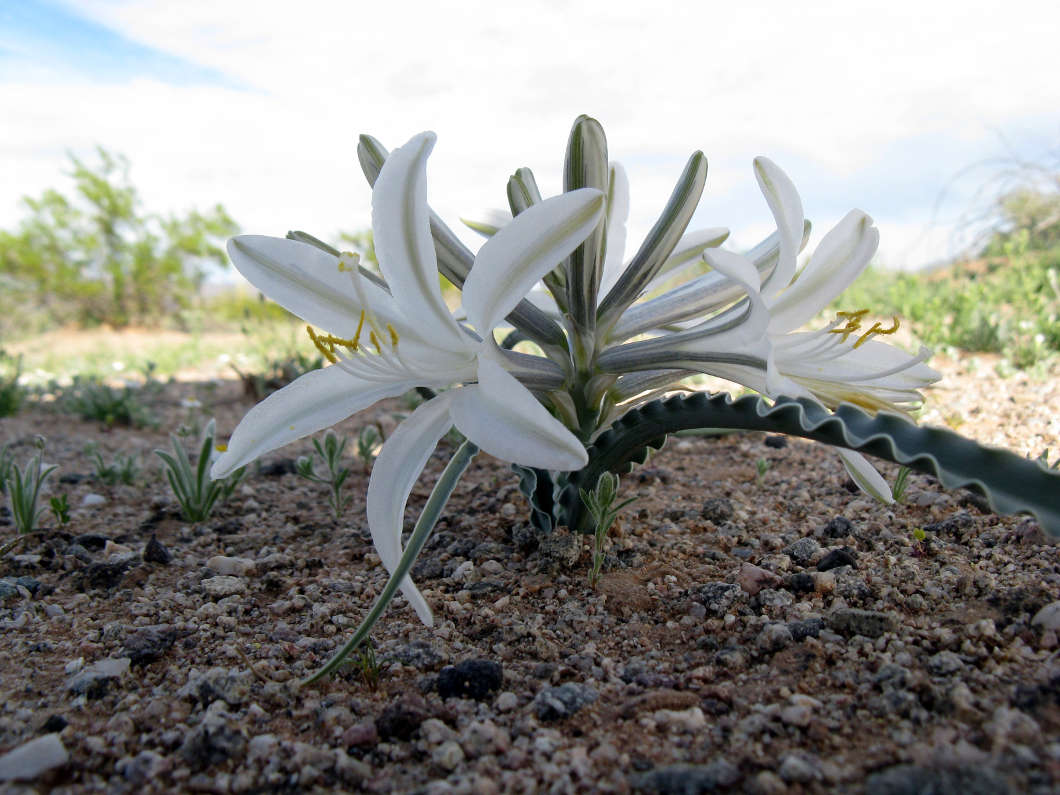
(782, 635)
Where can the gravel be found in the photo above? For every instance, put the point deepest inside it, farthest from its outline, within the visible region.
(906, 667)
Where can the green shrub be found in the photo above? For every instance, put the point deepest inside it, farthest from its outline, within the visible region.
(90, 398)
(12, 393)
(1007, 306)
(96, 257)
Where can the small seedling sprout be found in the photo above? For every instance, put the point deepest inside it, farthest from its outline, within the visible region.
(60, 508)
(901, 484)
(600, 504)
(331, 452)
(192, 486)
(761, 467)
(367, 665)
(368, 441)
(123, 469)
(24, 488)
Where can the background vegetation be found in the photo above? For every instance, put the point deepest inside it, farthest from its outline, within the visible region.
(94, 257)
(1005, 299)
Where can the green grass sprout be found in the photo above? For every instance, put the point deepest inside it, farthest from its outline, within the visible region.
(191, 484)
(600, 502)
(331, 452)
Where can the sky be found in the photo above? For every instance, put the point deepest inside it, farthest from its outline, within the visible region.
(906, 110)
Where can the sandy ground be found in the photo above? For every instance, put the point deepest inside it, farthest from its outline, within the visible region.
(782, 635)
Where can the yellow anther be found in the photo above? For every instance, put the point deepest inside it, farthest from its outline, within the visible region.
(853, 322)
(375, 341)
(326, 350)
(857, 315)
(221, 447)
(877, 329)
(325, 343)
(354, 258)
(851, 327)
(360, 325)
(393, 336)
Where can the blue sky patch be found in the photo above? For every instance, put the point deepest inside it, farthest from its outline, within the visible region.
(41, 39)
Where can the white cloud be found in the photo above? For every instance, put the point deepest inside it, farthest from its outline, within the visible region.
(827, 87)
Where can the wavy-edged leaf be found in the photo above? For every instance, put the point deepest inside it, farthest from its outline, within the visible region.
(1011, 484)
(536, 485)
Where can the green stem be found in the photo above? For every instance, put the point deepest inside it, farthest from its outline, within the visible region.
(420, 533)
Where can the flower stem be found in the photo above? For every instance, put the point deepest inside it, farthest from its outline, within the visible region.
(422, 531)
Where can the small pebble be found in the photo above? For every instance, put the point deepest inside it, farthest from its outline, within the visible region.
(238, 567)
(448, 755)
(222, 586)
(33, 758)
(1048, 617)
(156, 552)
(506, 701)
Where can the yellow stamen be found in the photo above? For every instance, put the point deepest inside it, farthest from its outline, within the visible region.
(375, 341)
(325, 350)
(360, 325)
(851, 327)
(348, 255)
(325, 343)
(853, 322)
(877, 329)
(857, 315)
(393, 336)
(221, 447)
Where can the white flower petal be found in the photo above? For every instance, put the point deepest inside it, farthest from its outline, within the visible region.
(617, 215)
(504, 419)
(865, 475)
(403, 243)
(312, 402)
(742, 271)
(786, 206)
(307, 282)
(839, 259)
(520, 254)
(395, 472)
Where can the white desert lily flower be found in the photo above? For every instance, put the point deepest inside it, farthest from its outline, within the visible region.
(413, 340)
(842, 362)
(839, 363)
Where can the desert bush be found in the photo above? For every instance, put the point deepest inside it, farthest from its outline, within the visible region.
(90, 398)
(12, 393)
(94, 256)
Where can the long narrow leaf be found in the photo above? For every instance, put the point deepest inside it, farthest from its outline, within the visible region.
(658, 245)
(586, 167)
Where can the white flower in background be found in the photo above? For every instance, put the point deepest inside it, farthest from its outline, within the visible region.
(843, 362)
(383, 341)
